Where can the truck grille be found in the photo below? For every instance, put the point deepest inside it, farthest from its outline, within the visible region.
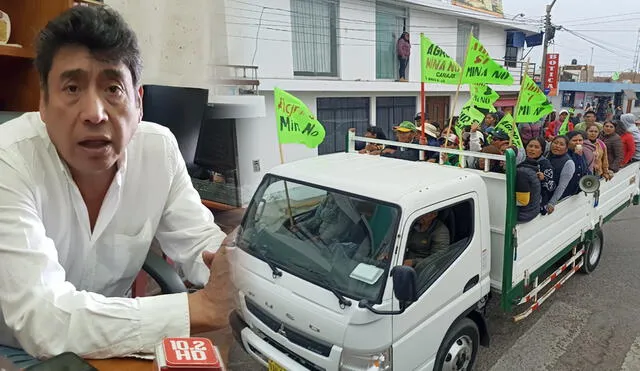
(290, 333)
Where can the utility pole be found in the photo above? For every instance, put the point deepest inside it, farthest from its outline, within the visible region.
(549, 34)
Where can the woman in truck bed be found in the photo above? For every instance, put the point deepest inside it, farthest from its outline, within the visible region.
(563, 171)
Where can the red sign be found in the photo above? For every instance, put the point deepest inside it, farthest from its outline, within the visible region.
(551, 74)
(182, 354)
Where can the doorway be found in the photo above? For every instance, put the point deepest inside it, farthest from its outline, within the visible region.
(437, 109)
(390, 23)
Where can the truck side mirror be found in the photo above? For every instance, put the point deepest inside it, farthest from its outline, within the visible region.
(404, 285)
(404, 289)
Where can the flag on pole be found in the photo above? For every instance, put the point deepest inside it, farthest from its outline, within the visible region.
(480, 68)
(295, 122)
(484, 97)
(532, 103)
(564, 129)
(469, 114)
(508, 126)
(437, 66)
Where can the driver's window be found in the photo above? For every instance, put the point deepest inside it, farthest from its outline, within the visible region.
(435, 240)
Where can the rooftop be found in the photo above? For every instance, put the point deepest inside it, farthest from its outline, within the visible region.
(443, 7)
(598, 87)
(380, 178)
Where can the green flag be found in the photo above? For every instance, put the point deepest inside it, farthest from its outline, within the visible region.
(296, 124)
(437, 66)
(479, 68)
(484, 97)
(532, 103)
(564, 129)
(469, 114)
(508, 126)
(615, 76)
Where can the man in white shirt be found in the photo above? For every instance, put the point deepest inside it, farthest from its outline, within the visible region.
(84, 188)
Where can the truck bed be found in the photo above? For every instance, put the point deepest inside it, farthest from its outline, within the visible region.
(540, 240)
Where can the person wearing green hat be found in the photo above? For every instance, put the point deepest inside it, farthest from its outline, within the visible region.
(405, 133)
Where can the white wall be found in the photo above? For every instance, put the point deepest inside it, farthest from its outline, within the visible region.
(176, 40)
(357, 40)
(270, 43)
(258, 140)
(440, 29)
(494, 40)
(356, 37)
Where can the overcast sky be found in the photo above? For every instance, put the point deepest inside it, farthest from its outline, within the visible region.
(611, 23)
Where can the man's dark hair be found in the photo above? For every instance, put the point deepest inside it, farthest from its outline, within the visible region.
(100, 29)
(590, 112)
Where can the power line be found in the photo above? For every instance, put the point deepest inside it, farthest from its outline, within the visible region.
(633, 19)
(290, 28)
(365, 42)
(599, 45)
(289, 11)
(578, 20)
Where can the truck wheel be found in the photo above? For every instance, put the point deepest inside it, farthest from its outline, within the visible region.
(459, 348)
(593, 252)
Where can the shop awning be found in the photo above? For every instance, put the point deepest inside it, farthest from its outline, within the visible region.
(508, 102)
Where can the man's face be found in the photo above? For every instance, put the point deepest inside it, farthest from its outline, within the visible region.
(425, 221)
(405, 136)
(92, 110)
(589, 118)
(563, 116)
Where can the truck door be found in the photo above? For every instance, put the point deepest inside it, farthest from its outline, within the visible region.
(443, 243)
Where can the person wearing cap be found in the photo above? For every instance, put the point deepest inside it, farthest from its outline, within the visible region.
(418, 119)
(405, 133)
(432, 139)
(554, 127)
(589, 118)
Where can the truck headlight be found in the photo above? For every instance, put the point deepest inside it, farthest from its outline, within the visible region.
(382, 361)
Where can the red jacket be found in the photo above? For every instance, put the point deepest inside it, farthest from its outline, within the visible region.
(628, 147)
(554, 128)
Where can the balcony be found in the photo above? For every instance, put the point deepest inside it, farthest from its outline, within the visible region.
(516, 68)
(236, 80)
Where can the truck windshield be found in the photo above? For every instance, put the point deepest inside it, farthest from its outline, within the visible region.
(334, 240)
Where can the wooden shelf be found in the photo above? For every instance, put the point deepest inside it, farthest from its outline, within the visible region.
(11, 51)
(89, 2)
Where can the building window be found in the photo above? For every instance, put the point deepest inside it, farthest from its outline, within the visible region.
(511, 56)
(314, 37)
(464, 29)
(391, 111)
(391, 22)
(338, 115)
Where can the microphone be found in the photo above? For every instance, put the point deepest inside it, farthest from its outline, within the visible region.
(187, 354)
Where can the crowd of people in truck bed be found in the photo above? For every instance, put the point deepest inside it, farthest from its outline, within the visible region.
(549, 165)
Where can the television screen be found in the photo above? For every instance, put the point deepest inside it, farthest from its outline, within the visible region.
(179, 109)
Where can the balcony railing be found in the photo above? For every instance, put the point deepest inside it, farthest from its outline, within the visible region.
(236, 79)
(516, 68)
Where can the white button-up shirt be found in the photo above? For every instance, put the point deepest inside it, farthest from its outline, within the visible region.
(62, 285)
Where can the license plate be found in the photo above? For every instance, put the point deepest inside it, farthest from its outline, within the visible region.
(275, 367)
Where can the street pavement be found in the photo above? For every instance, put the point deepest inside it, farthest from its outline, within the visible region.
(591, 323)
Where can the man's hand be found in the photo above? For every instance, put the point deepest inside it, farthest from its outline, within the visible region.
(210, 307)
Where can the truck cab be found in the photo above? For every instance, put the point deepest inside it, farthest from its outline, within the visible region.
(354, 262)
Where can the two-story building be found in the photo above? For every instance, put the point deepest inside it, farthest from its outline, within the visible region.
(339, 58)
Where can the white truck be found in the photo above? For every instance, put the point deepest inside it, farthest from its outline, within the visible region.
(319, 259)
